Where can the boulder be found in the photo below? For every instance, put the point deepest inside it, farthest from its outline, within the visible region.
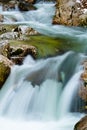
(71, 12)
(5, 68)
(82, 124)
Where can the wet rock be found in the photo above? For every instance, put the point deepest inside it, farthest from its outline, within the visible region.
(82, 124)
(17, 60)
(2, 30)
(9, 35)
(8, 4)
(11, 4)
(5, 48)
(25, 30)
(70, 12)
(31, 31)
(5, 68)
(27, 1)
(1, 18)
(83, 88)
(20, 52)
(26, 5)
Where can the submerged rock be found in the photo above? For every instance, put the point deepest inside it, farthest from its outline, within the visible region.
(5, 68)
(71, 12)
(82, 124)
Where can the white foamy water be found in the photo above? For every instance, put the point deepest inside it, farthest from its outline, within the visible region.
(42, 106)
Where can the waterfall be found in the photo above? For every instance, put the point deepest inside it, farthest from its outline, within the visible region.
(64, 106)
(38, 95)
(37, 90)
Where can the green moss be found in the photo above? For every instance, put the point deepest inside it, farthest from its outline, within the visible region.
(48, 46)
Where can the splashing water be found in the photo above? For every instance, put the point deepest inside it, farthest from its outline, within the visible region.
(40, 106)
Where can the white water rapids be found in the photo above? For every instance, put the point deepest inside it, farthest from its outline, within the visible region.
(38, 94)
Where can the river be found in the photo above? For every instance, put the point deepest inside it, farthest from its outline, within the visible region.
(43, 94)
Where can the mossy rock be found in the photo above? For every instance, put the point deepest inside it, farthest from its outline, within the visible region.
(5, 48)
(5, 68)
(50, 46)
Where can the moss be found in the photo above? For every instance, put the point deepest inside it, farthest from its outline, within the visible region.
(48, 46)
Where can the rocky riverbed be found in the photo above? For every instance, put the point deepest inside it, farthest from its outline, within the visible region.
(16, 42)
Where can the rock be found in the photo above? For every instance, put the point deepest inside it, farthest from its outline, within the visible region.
(2, 30)
(26, 5)
(83, 93)
(17, 60)
(11, 4)
(70, 12)
(8, 4)
(1, 18)
(5, 1)
(27, 1)
(31, 31)
(9, 35)
(5, 48)
(5, 68)
(20, 52)
(82, 124)
(25, 30)
(83, 88)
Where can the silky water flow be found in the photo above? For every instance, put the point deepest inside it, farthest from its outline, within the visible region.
(38, 94)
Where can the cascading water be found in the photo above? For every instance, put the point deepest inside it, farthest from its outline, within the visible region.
(35, 92)
(38, 95)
